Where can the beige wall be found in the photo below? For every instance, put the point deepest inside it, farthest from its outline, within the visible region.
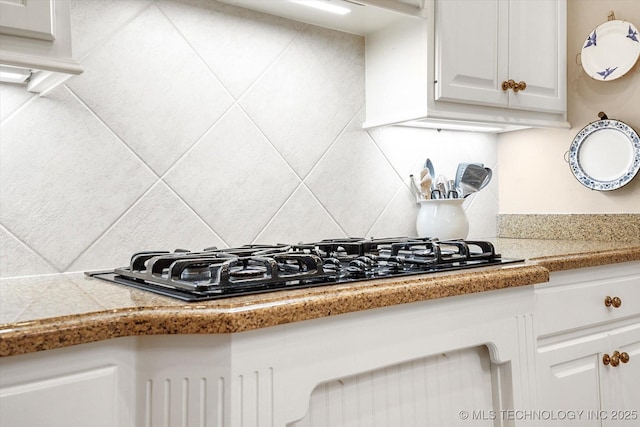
(534, 176)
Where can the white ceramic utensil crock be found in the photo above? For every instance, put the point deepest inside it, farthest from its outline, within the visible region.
(444, 219)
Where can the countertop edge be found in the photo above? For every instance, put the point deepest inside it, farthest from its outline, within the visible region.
(589, 259)
(57, 332)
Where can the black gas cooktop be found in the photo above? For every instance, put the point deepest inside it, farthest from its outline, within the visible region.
(222, 273)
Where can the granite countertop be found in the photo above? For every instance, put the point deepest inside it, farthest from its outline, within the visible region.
(46, 312)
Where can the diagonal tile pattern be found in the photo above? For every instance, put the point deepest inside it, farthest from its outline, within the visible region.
(16, 259)
(59, 186)
(354, 181)
(314, 90)
(301, 219)
(201, 124)
(237, 44)
(158, 221)
(158, 97)
(234, 179)
(95, 21)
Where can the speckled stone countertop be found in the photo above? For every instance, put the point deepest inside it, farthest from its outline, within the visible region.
(46, 312)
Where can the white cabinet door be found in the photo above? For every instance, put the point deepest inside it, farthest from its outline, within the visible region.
(482, 43)
(27, 18)
(621, 384)
(537, 40)
(569, 379)
(472, 51)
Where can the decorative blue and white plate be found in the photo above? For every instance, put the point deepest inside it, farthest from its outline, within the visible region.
(605, 155)
(610, 50)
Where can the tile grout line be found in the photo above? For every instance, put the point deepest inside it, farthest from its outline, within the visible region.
(386, 208)
(387, 160)
(196, 214)
(195, 51)
(29, 248)
(111, 226)
(402, 183)
(20, 107)
(114, 133)
(302, 180)
(131, 151)
(113, 33)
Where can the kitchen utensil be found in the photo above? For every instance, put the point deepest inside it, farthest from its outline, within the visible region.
(487, 179)
(429, 165)
(415, 186)
(452, 192)
(460, 171)
(441, 185)
(426, 181)
(473, 178)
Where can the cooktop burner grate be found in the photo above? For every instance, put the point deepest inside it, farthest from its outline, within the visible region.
(221, 273)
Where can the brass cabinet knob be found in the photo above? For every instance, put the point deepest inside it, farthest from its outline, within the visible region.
(624, 357)
(511, 84)
(615, 359)
(519, 86)
(615, 301)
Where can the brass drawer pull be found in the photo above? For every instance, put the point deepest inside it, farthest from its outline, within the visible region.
(615, 301)
(511, 84)
(615, 359)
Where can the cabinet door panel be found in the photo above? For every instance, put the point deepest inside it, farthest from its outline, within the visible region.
(574, 386)
(77, 399)
(620, 384)
(537, 54)
(27, 18)
(471, 51)
(569, 379)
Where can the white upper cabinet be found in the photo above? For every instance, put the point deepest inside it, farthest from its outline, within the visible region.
(518, 40)
(537, 54)
(454, 68)
(35, 41)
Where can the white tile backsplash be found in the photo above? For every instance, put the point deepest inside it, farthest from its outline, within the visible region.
(94, 22)
(157, 221)
(309, 95)
(237, 44)
(149, 86)
(201, 124)
(234, 179)
(353, 181)
(65, 177)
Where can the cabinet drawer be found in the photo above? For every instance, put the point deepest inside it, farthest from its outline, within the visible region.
(570, 306)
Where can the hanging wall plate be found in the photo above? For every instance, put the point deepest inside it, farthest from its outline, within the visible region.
(611, 50)
(605, 154)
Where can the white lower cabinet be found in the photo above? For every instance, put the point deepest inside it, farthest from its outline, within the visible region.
(455, 361)
(589, 363)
